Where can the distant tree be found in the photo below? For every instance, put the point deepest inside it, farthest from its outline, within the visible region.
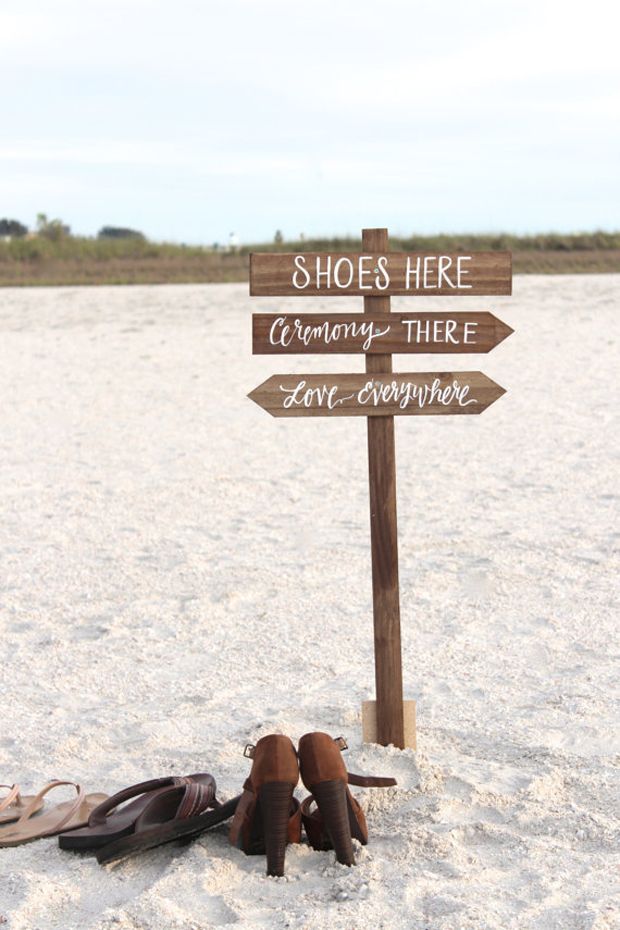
(119, 232)
(12, 228)
(52, 229)
(278, 238)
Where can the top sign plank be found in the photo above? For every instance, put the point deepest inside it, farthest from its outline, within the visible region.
(338, 274)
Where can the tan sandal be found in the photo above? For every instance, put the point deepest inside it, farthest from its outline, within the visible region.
(66, 816)
(13, 804)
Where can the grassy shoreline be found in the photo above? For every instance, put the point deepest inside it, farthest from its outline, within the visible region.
(81, 261)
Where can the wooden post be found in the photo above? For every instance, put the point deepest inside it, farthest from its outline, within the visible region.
(383, 538)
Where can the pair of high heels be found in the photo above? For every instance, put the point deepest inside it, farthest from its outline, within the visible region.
(268, 816)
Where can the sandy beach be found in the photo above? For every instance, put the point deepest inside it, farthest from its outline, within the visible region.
(182, 574)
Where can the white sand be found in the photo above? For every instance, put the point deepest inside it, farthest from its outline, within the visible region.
(182, 573)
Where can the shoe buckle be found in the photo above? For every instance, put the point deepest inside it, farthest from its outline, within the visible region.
(248, 752)
(341, 743)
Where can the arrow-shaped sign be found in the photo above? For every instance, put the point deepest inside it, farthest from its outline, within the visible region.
(350, 395)
(331, 333)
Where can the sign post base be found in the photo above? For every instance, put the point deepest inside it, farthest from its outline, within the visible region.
(369, 723)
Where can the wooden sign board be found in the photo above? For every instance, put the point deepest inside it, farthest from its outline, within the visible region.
(350, 395)
(332, 333)
(336, 274)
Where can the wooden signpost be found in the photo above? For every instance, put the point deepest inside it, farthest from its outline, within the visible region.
(377, 274)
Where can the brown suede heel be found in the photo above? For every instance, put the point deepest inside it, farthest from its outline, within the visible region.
(268, 816)
(338, 817)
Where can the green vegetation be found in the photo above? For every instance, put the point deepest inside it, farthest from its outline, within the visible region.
(546, 242)
(54, 257)
(119, 232)
(55, 230)
(12, 228)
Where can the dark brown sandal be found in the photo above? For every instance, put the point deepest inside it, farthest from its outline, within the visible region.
(337, 817)
(182, 827)
(109, 821)
(162, 809)
(268, 816)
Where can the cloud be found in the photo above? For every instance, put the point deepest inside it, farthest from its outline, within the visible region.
(472, 110)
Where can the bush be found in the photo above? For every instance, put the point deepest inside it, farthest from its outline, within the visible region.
(12, 228)
(119, 232)
(55, 230)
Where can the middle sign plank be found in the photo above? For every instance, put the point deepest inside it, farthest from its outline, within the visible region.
(333, 333)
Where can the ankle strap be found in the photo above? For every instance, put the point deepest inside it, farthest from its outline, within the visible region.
(370, 781)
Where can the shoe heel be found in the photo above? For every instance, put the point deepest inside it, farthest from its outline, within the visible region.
(331, 799)
(275, 804)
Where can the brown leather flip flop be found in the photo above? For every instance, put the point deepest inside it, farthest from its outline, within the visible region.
(110, 822)
(73, 813)
(160, 810)
(13, 804)
(150, 832)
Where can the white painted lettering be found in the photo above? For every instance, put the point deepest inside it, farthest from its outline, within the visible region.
(317, 397)
(429, 272)
(450, 327)
(348, 263)
(300, 264)
(406, 393)
(469, 329)
(325, 274)
(362, 272)
(412, 272)
(460, 271)
(382, 278)
(283, 338)
(442, 267)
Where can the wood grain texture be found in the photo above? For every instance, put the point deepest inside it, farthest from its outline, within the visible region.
(384, 539)
(419, 393)
(379, 273)
(369, 723)
(372, 333)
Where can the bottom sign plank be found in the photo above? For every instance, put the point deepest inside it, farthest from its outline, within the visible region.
(358, 395)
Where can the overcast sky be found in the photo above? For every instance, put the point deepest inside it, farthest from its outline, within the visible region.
(190, 120)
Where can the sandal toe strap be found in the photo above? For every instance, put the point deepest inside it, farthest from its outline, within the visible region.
(12, 797)
(98, 815)
(196, 798)
(35, 804)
